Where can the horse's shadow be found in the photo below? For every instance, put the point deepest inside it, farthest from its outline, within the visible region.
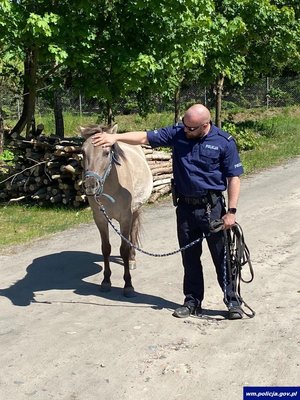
(67, 271)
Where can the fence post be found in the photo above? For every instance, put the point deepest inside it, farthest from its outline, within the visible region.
(1, 134)
(268, 89)
(18, 108)
(80, 105)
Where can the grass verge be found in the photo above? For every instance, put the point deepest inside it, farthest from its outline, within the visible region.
(20, 224)
(278, 141)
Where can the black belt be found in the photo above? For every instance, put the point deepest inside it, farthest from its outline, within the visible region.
(201, 200)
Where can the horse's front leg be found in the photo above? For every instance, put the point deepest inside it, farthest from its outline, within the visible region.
(106, 250)
(125, 254)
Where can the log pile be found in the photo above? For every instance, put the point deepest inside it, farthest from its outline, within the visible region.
(160, 164)
(48, 170)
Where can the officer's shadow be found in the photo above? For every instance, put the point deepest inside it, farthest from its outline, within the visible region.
(67, 271)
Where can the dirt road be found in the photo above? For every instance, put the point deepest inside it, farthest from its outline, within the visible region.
(62, 339)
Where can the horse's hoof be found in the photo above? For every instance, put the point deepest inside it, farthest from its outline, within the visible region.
(105, 287)
(132, 265)
(129, 292)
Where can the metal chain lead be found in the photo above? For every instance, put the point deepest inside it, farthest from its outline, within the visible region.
(141, 250)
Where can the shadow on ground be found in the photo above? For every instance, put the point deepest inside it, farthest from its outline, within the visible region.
(67, 271)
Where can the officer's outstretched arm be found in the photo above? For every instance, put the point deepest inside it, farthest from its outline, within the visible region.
(107, 140)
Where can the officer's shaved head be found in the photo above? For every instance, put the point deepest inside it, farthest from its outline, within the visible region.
(196, 121)
(197, 113)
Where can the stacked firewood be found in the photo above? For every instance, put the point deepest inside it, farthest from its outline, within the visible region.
(48, 170)
(160, 164)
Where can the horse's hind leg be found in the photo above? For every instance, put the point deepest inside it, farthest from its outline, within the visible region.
(134, 238)
(106, 249)
(125, 252)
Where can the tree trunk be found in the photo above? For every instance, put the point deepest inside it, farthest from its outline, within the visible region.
(58, 115)
(29, 92)
(109, 113)
(177, 105)
(1, 134)
(219, 91)
(1, 128)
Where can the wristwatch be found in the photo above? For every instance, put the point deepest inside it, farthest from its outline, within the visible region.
(232, 210)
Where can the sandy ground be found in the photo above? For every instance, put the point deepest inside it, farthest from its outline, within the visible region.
(63, 339)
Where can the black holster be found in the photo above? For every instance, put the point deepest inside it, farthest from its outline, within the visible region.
(213, 197)
(174, 193)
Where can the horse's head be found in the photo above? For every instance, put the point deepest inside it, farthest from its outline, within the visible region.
(97, 161)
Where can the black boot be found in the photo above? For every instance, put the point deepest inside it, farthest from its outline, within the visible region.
(186, 310)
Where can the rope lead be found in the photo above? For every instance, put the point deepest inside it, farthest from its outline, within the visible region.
(236, 255)
(141, 250)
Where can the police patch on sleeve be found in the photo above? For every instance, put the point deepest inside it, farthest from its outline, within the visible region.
(238, 165)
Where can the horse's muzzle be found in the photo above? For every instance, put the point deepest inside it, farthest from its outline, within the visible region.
(92, 186)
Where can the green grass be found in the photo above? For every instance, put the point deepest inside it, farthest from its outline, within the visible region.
(278, 139)
(127, 123)
(72, 122)
(20, 224)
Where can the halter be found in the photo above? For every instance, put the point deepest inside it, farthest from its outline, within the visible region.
(101, 179)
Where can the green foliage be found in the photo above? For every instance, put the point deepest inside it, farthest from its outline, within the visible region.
(250, 38)
(60, 55)
(246, 139)
(107, 49)
(40, 25)
(229, 105)
(279, 97)
(7, 156)
(267, 128)
(5, 5)
(6, 161)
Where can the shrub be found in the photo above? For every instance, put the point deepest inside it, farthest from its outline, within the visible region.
(7, 157)
(246, 139)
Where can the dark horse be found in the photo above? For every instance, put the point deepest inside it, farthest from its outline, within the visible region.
(120, 180)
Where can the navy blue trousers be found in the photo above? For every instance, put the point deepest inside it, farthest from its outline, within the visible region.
(192, 223)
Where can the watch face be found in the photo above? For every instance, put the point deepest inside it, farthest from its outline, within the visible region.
(232, 210)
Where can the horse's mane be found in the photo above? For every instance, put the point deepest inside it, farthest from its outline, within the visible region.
(92, 129)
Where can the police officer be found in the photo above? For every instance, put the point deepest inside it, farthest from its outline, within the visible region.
(205, 163)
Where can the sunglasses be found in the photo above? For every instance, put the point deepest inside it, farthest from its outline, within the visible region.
(191, 128)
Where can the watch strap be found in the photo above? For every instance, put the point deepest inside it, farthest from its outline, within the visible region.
(232, 210)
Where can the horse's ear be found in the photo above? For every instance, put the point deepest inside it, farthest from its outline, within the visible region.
(114, 129)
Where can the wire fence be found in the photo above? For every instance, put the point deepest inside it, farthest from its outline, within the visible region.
(266, 92)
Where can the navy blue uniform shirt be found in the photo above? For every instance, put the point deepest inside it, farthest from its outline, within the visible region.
(199, 164)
